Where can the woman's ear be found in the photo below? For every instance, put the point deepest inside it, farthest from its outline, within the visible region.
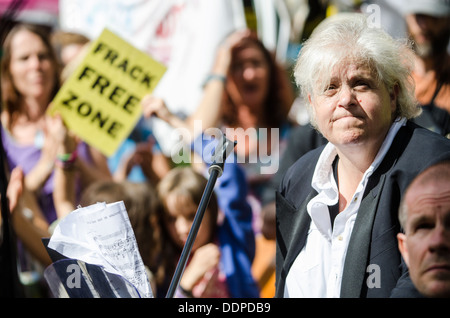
(311, 111)
(394, 97)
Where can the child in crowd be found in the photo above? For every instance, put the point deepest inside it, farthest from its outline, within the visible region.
(180, 192)
(141, 202)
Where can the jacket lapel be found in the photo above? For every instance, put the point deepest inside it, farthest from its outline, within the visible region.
(291, 236)
(357, 256)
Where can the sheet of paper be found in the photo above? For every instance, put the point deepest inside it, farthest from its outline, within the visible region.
(101, 234)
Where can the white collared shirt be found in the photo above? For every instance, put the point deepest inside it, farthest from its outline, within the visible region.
(317, 270)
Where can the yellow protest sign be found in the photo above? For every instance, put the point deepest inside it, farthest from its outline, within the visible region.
(100, 101)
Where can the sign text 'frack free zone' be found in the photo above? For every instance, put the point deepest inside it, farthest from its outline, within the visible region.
(100, 101)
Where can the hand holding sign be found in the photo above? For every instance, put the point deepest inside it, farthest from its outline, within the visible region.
(100, 101)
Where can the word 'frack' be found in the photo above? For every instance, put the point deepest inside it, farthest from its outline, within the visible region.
(134, 71)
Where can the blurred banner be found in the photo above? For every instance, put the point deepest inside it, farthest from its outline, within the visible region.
(37, 11)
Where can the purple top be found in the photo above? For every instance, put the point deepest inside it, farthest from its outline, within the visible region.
(27, 156)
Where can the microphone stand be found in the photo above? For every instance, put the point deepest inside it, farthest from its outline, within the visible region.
(215, 171)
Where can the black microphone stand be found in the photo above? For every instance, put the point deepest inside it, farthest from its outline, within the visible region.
(215, 171)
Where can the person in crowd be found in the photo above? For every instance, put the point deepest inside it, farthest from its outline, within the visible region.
(230, 241)
(64, 175)
(428, 25)
(21, 277)
(337, 205)
(29, 81)
(424, 215)
(142, 204)
(68, 45)
(180, 192)
(248, 95)
(24, 229)
(144, 219)
(139, 158)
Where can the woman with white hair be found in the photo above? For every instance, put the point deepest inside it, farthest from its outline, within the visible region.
(337, 205)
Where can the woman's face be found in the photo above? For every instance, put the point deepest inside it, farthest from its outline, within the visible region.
(250, 74)
(178, 218)
(31, 67)
(354, 108)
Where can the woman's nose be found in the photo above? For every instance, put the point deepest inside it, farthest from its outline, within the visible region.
(183, 226)
(249, 72)
(34, 62)
(347, 97)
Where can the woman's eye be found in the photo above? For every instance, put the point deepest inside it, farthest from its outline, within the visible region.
(23, 57)
(44, 56)
(330, 89)
(362, 84)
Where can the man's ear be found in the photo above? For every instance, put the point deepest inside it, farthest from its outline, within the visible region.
(401, 238)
